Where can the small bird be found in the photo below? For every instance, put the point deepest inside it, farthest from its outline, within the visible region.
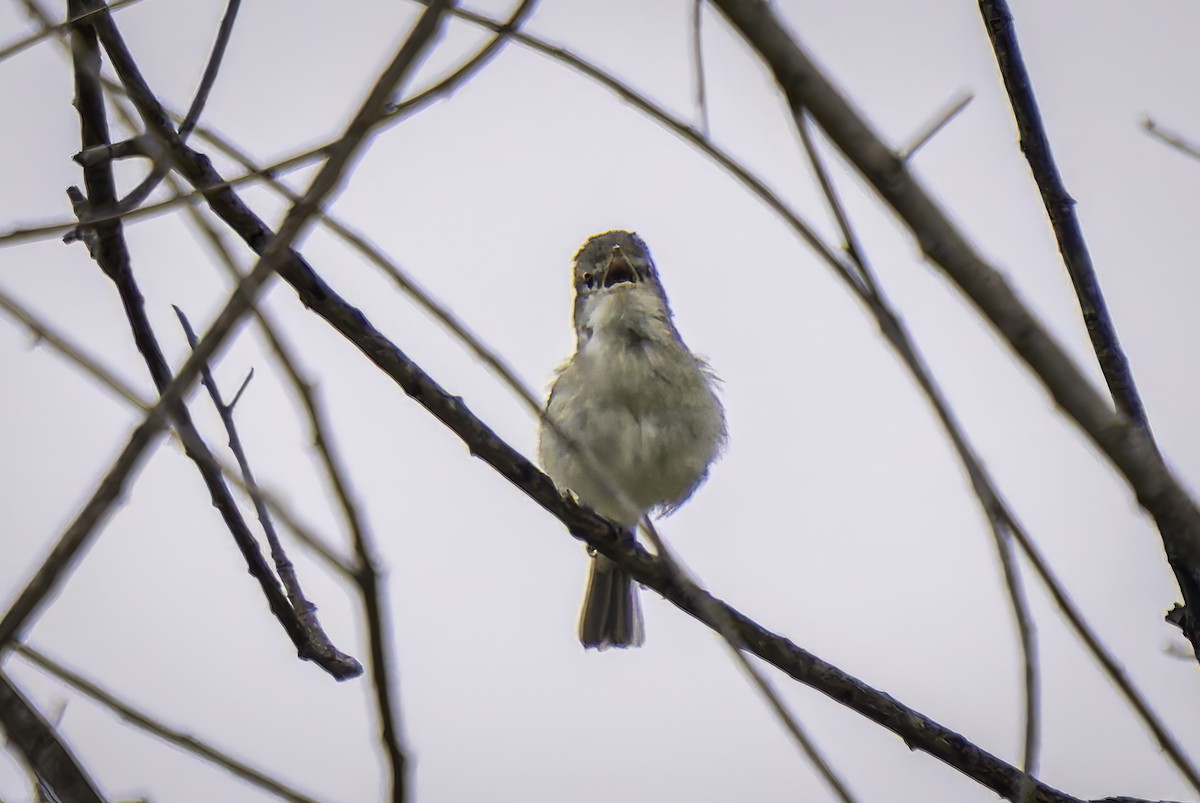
(639, 405)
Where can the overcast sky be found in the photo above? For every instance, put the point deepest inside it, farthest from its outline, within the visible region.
(838, 516)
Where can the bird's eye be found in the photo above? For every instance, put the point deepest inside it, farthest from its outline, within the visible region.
(589, 279)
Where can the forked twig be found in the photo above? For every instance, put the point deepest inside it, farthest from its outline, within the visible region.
(300, 605)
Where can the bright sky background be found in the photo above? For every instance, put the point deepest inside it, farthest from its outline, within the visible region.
(838, 517)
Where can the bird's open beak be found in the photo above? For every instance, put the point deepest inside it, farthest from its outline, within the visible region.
(619, 269)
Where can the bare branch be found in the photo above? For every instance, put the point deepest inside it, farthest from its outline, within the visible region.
(151, 725)
(89, 364)
(49, 760)
(317, 640)
(74, 353)
(1060, 207)
(369, 579)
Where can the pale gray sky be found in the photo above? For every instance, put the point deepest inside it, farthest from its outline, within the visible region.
(838, 516)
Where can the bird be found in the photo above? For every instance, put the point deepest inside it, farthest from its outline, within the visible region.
(633, 421)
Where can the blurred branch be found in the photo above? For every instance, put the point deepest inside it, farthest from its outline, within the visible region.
(698, 77)
(49, 29)
(935, 127)
(50, 761)
(112, 255)
(1174, 140)
(1127, 446)
(151, 725)
(367, 577)
(76, 355)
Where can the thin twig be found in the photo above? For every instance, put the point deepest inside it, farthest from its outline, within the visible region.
(932, 129)
(365, 575)
(1060, 207)
(853, 248)
(396, 112)
(698, 76)
(46, 756)
(207, 80)
(1112, 668)
(59, 342)
(151, 725)
(1174, 140)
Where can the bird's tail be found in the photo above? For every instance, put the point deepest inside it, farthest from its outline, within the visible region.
(612, 610)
